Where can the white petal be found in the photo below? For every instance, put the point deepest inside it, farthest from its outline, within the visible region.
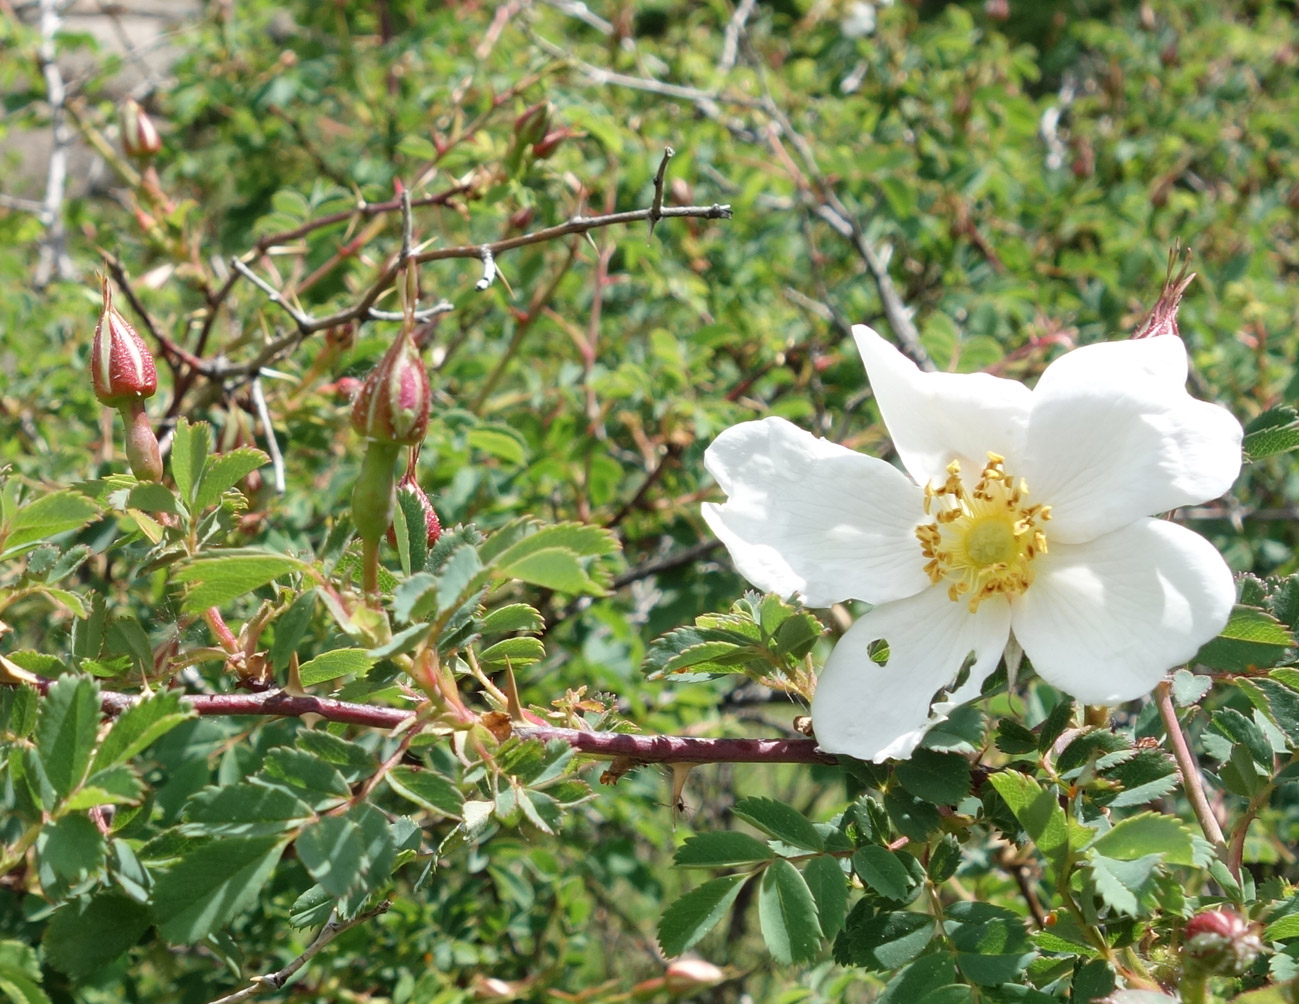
(935, 418)
(877, 712)
(807, 516)
(1114, 436)
(1105, 620)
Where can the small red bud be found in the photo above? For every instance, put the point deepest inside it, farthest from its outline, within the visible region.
(392, 406)
(409, 486)
(139, 135)
(997, 10)
(346, 387)
(532, 124)
(1221, 942)
(547, 146)
(121, 366)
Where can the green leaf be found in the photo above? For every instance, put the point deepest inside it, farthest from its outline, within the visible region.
(694, 914)
(1125, 886)
(514, 651)
(189, 446)
(332, 665)
(881, 870)
(1275, 431)
(1280, 702)
(1015, 739)
(210, 884)
(71, 849)
(583, 539)
(351, 759)
(85, 935)
(911, 816)
(415, 598)
(991, 943)
(118, 785)
(942, 778)
(1251, 638)
(290, 628)
(65, 731)
(225, 472)
(243, 810)
(310, 778)
(333, 851)
(1146, 834)
(556, 568)
(153, 497)
(20, 974)
(459, 578)
(829, 887)
(49, 515)
(721, 849)
(1189, 688)
(1037, 810)
(1283, 929)
(512, 617)
(220, 576)
(882, 943)
(498, 441)
(787, 913)
(140, 726)
(914, 983)
(428, 789)
(780, 821)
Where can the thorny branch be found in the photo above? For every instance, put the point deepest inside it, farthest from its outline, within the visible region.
(606, 745)
(277, 979)
(54, 262)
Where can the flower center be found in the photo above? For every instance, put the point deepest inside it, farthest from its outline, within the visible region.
(983, 541)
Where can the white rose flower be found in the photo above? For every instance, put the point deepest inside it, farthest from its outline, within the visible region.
(1103, 598)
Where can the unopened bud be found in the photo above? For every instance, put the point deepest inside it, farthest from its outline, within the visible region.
(532, 124)
(409, 486)
(997, 10)
(548, 145)
(1221, 943)
(392, 406)
(121, 365)
(347, 387)
(687, 975)
(139, 135)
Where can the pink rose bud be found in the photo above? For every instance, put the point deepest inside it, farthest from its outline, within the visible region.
(121, 366)
(347, 387)
(139, 135)
(1220, 942)
(550, 143)
(392, 406)
(533, 123)
(409, 486)
(688, 975)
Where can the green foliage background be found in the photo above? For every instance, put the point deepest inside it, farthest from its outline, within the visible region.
(586, 384)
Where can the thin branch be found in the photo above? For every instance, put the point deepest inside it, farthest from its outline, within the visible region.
(734, 29)
(656, 207)
(606, 745)
(54, 262)
(169, 348)
(268, 430)
(489, 269)
(277, 979)
(21, 205)
(1192, 779)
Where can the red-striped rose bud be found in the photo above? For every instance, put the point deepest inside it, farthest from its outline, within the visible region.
(121, 365)
(139, 135)
(392, 406)
(532, 124)
(692, 975)
(409, 486)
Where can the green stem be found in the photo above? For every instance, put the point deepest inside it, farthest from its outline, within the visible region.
(141, 444)
(1192, 780)
(372, 504)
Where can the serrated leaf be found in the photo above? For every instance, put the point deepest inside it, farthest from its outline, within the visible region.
(787, 914)
(1014, 738)
(428, 789)
(510, 618)
(883, 943)
(140, 726)
(189, 446)
(1280, 702)
(69, 850)
(210, 884)
(503, 443)
(152, 497)
(331, 665)
(290, 628)
(1123, 885)
(829, 887)
(692, 916)
(1274, 431)
(225, 472)
(881, 870)
(913, 984)
(1283, 929)
(1148, 833)
(118, 785)
(1037, 810)
(48, 516)
(721, 849)
(991, 943)
(333, 851)
(781, 821)
(220, 576)
(1251, 638)
(1189, 687)
(308, 777)
(243, 810)
(351, 759)
(83, 935)
(942, 778)
(65, 731)
(557, 568)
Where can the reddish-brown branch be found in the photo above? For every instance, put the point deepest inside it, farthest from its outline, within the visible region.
(639, 748)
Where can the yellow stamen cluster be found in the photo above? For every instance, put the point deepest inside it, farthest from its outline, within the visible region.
(982, 541)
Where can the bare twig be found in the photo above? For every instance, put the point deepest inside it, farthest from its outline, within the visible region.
(54, 262)
(656, 207)
(169, 348)
(277, 979)
(21, 205)
(734, 29)
(268, 430)
(489, 269)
